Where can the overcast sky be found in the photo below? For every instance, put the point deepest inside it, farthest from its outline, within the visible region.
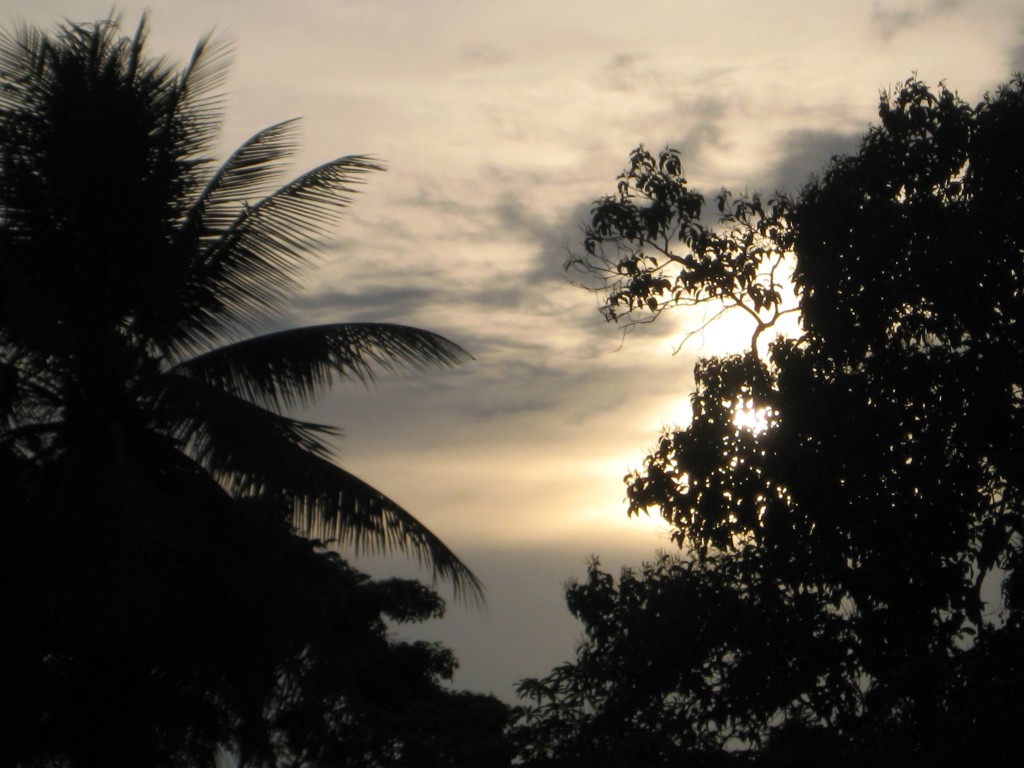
(500, 122)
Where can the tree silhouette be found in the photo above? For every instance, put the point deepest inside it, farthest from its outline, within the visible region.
(844, 557)
(132, 267)
(148, 458)
(281, 654)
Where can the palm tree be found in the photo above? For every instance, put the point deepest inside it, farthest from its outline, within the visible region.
(149, 469)
(135, 276)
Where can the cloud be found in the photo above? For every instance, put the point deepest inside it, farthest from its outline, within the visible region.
(1017, 56)
(628, 72)
(705, 134)
(890, 21)
(515, 219)
(382, 302)
(480, 55)
(803, 153)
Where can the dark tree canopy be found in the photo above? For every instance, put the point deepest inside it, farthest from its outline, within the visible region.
(281, 654)
(852, 564)
(157, 598)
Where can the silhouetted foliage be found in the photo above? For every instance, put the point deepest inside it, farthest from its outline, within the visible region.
(279, 651)
(157, 600)
(648, 250)
(845, 556)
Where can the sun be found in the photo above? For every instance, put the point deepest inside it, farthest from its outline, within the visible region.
(755, 419)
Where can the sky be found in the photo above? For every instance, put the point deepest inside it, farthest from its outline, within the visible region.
(500, 123)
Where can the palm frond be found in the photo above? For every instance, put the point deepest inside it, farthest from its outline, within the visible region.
(245, 276)
(246, 175)
(335, 505)
(254, 452)
(250, 173)
(226, 434)
(22, 50)
(280, 370)
(198, 102)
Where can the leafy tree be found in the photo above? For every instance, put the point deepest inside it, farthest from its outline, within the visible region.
(154, 592)
(842, 554)
(282, 656)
